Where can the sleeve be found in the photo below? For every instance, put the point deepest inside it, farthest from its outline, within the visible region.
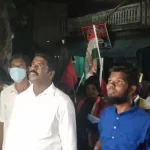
(67, 126)
(2, 108)
(100, 124)
(148, 140)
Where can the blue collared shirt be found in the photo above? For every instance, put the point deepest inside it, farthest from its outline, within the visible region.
(125, 131)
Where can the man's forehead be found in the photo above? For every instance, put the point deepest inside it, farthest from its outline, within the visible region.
(39, 59)
(91, 85)
(118, 75)
(18, 60)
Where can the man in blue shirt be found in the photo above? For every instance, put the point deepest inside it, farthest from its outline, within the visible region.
(123, 126)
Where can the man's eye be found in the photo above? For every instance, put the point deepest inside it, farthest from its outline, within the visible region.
(109, 80)
(120, 82)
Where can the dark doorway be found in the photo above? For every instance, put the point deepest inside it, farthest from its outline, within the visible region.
(143, 60)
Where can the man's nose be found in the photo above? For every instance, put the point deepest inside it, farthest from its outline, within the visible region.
(111, 85)
(34, 67)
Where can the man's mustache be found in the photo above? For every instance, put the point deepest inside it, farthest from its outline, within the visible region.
(33, 71)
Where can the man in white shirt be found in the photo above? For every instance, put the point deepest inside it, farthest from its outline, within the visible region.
(43, 116)
(18, 72)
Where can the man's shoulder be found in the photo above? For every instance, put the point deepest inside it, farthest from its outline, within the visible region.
(109, 109)
(8, 89)
(143, 119)
(143, 114)
(62, 96)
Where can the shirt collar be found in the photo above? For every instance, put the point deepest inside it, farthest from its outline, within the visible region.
(132, 110)
(50, 90)
(13, 89)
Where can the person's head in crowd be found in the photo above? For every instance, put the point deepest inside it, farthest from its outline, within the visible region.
(123, 84)
(92, 87)
(18, 67)
(42, 69)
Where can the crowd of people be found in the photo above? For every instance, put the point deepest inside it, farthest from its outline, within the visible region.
(36, 115)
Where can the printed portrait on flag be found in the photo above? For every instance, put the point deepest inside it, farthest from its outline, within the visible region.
(102, 35)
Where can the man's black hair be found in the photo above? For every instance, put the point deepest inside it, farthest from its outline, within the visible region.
(51, 62)
(93, 80)
(131, 73)
(22, 56)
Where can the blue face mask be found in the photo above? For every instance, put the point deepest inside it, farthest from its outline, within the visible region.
(17, 74)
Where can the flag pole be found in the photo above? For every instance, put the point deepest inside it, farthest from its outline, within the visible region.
(73, 89)
(74, 93)
(100, 58)
(80, 82)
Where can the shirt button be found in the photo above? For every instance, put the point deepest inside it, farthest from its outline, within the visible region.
(113, 137)
(115, 127)
(117, 118)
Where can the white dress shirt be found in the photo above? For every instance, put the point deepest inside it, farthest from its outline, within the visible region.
(43, 122)
(7, 98)
(147, 101)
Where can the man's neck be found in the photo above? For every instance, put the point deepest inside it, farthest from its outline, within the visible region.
(22, 86)
(39, 88)
(123, 107)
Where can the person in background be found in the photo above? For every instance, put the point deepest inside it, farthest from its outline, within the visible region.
(140, 102)
(145, 89)
(147, 103)
(92, 104)
(3, 79)
(123, 126)
(18, 71)
(43, 117)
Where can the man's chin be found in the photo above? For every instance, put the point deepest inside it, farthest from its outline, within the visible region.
(117, 100)
(32, 79)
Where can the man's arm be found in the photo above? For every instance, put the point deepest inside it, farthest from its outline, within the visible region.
(98, 146)
(2, 118)
(67, 126)
(148, 140)
(1, 135)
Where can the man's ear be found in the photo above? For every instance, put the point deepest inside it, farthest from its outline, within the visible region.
(133, 89)
(8, 70)
(51, 74)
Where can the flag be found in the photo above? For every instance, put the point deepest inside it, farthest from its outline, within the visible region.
(69, 77)
(92, 45)
(91, 55)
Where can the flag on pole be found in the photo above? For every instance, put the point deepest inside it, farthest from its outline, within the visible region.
(69, 77)
(93, 57)
(92, 54)
(92, 45)
(96, 37)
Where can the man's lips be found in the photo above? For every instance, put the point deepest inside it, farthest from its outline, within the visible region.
(33, 73)
(110, 91)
